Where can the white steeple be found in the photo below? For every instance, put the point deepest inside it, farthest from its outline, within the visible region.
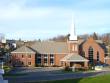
(73, 35)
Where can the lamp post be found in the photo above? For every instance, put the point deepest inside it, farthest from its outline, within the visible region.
(2, 70)
(2, 64)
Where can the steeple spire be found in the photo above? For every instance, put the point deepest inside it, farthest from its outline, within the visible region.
(73, 35)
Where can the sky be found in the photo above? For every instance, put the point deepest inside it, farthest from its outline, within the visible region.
(43, 19)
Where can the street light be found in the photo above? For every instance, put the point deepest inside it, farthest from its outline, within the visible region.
(2, 64)
(2, 70)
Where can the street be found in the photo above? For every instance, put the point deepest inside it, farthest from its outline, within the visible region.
(37, 75)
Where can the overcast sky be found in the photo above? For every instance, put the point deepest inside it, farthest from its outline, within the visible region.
(34, 19)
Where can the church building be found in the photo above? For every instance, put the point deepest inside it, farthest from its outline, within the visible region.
(74, 52)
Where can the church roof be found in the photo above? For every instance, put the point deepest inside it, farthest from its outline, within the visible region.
(99, 41)
(23, 49)
(74, 58)
(50, 47)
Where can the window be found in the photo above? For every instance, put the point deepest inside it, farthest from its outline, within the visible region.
(45, 60)
(45, 56)
(39, 56)
(51, 61)
(75, 47)
(98, 56)
(38, 59)
(90, 52)
(29, 63)
(51, 56)
(97, 53)
(22, 56)
(29, 56)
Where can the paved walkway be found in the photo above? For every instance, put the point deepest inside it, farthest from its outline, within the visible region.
(51, 75)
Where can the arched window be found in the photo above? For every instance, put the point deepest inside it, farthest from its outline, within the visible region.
(98, 57)
(90, 52)
(97, 52)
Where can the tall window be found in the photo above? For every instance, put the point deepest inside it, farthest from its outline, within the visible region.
(45, 59)
(22, 56)
(51, 59)
(39, 59)
(98, 57)
(51, 56)
(90, 52)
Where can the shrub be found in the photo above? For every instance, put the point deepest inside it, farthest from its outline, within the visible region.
(55, 66)
(6, 68)
(67, 68)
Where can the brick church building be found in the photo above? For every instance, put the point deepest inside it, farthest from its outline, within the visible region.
(74, 52)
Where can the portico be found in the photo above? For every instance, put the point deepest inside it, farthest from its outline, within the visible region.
(74, 60)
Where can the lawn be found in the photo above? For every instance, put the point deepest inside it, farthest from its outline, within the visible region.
(98, 79)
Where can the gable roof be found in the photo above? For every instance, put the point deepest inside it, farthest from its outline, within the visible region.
(23, 49)
(99, 41)
(50, 47)
(74, 58)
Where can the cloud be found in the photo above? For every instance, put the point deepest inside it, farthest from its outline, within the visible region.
(16, 11)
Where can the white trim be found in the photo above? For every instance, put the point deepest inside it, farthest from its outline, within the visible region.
(24, 52)
(75, 60)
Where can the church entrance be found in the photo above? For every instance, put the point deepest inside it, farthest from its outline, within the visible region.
(77, 64)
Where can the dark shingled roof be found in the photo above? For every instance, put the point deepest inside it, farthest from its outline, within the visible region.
(50, 47)
(23, 49)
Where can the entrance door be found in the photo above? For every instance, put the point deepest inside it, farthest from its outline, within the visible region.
(72, 64)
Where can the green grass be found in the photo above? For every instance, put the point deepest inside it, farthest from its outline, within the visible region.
(98, 79)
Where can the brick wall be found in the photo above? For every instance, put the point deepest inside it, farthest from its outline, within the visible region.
(96, 48)
(58, 57)
(23, 59)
